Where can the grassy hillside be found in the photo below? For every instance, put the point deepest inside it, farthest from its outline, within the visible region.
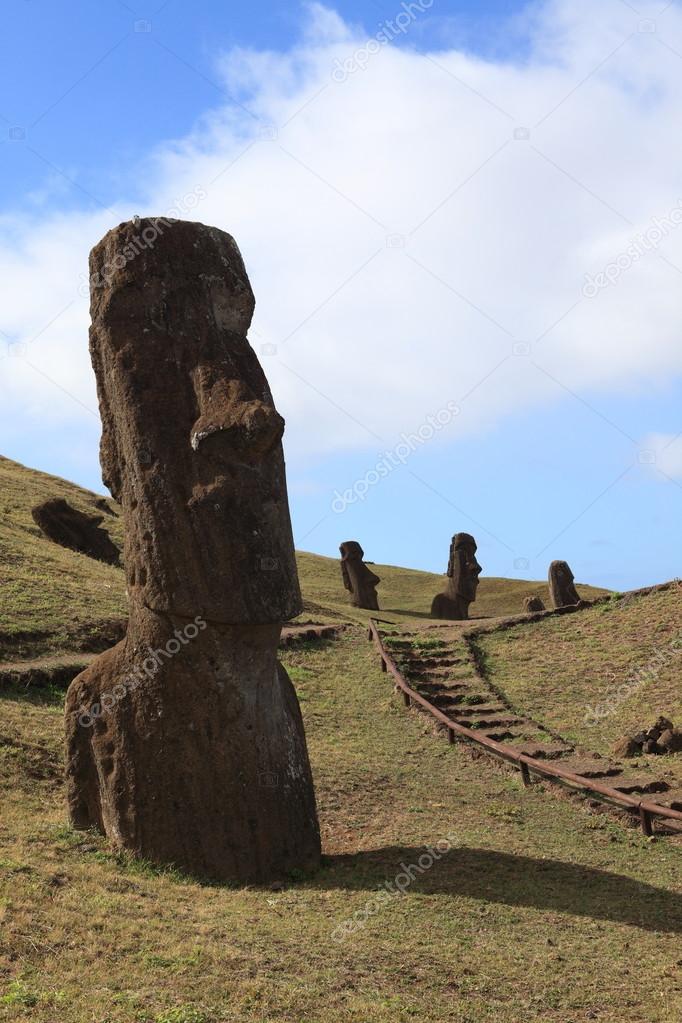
(539, 912)
(594, 676)
(52, 598)
(536, 910)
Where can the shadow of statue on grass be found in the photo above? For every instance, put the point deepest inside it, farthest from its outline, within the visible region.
(509, 879)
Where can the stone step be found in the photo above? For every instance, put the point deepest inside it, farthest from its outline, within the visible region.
(588, 767)
(671, 798)
(453, 703)
(439, 686)
(544, 750)
(471, 710)
(487, 723)
(632, 785)
(504, 734)
(434, 662)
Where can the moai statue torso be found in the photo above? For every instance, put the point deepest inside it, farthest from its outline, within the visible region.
(360, 582)
(463, 572)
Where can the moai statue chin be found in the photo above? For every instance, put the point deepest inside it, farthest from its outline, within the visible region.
(463, 572)
(561, 588)
(185, 742)
(360, 582)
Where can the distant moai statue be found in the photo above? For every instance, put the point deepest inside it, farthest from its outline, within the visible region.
(463, 572)
(360, 582)
(561, 589)
(534, 603)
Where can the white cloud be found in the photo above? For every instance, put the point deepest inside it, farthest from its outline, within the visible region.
(401, 241)
(662, 452)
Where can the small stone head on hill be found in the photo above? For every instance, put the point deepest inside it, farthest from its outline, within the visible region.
(360, 582)
(561, 589)
(463, 572)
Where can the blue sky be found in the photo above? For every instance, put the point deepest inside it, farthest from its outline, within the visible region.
(445, 246)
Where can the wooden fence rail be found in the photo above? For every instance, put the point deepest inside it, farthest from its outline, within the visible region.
(647, 810)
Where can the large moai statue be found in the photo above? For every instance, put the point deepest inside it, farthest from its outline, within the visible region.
(360, 582)
(185, 743)
(561, 589)
(463, 572)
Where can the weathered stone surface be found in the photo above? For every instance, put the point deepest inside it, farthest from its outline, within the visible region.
(534, 603)
(185, 742)
(65, 525)
(661, 725)
(561, 588)
(463, 572)
(662, 737)
(626, 747)
(358, 579)
(670, 741)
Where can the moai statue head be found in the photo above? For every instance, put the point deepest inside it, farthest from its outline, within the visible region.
(197, 462)
(532, 604)
(463, 568)
(463, 572)
(360, 582)
(561, 588)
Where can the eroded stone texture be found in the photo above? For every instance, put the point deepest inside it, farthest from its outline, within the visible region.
(562, 592)
(463, 572)
(185, 742)
(358, 579)
(534, 603)
(69, 527)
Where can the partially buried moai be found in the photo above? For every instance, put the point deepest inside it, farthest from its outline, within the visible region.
(185, 743)
(561, 588)
(359, 580)
(463, 572)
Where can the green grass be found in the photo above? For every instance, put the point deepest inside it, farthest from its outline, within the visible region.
(539, 912)
(596, 675)
(53, 600)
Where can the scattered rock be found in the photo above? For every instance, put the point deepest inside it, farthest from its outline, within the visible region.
(662, 737)
(671, 740)
(626, 747)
